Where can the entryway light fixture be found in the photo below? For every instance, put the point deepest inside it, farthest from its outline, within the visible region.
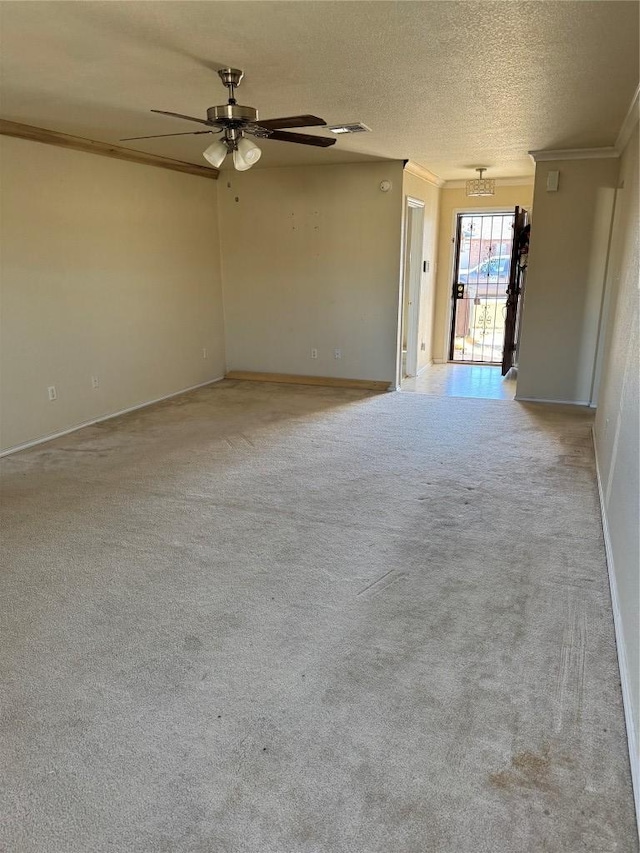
(245, 152)
(481, 186)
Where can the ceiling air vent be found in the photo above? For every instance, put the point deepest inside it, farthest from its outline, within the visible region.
(351, 127)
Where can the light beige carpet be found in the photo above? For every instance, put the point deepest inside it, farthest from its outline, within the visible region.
(274, 619)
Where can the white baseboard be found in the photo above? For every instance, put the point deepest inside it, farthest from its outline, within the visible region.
(632, 736)
(583, 403)
(18, 447)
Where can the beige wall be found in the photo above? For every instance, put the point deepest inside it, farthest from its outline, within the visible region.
(422, 190)
(565, 279)
(617, 434)
(453, 200)
(311, 259)
(108, 269)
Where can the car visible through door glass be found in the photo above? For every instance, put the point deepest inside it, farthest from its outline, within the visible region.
(490, 278)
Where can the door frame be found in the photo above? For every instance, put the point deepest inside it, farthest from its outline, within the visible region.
(465, 211)
(411, 282)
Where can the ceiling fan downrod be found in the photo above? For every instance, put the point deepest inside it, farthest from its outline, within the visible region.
(231, 78)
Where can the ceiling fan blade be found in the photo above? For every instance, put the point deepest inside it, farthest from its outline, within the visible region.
(179, 115)
(301, 138)
(292, 121)
(160, 135)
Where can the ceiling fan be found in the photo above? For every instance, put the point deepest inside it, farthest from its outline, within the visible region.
(234, 121)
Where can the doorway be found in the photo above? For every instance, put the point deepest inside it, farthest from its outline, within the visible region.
(411, 286)
(482, 266)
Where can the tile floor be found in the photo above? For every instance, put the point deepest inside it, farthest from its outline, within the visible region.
(462, 380)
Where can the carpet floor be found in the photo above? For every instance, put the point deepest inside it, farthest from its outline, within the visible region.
(262, 618)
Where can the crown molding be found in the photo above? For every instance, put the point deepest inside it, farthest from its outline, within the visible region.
(610, 152)
(420, 172)
(574, 154)
(629, 123)
(521, 181)
(78, 143)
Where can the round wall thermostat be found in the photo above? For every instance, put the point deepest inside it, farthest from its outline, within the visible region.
(385, 186)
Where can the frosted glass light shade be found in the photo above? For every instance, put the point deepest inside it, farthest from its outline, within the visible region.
(246, 155)
(216, 153)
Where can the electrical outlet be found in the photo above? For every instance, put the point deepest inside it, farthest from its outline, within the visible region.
(53, 394)
(314, 353)
(423, 346)
(337, 353)
(204, 352)
(95, 382)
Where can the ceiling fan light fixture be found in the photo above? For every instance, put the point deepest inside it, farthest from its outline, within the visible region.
(247, 154)
(481, 186)
(216, 153)
(239, 163)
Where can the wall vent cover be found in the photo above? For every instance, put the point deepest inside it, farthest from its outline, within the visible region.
(349, 127)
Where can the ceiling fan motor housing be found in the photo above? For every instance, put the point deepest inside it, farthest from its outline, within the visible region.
(232, 113)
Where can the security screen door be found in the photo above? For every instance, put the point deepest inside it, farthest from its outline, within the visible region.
(484, 247)
(517, 276)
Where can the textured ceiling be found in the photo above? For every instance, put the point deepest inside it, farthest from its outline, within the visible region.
(449, 85)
